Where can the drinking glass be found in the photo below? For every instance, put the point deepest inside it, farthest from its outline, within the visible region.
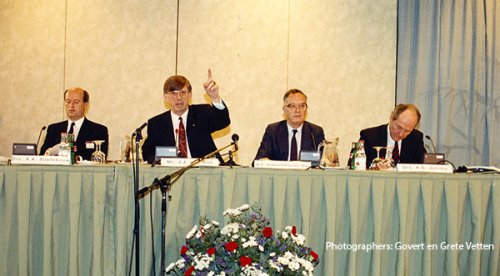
(98, 156)
(376, 160)
(389, 162)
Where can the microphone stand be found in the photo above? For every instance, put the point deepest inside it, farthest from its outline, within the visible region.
(165, 184)
(138, 137)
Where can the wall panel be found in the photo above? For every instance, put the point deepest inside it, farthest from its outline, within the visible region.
(340, 53)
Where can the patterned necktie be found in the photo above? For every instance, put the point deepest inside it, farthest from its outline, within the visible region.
(71, 129)
(395, 153)
(182, 140)
(293, 147)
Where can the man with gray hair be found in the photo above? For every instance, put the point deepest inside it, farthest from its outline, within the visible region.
(400, 134)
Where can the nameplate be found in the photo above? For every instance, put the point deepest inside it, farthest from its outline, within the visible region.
(183, 162)
(430, 168)
(40, 160)
(275, 164)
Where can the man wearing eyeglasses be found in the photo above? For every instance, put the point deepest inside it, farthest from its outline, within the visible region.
(285, 139)
(399, 134)
(189, 127)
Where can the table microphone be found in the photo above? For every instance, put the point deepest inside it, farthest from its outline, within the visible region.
(39, 135)
(432, 142)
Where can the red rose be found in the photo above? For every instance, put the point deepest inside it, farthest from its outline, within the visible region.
(189, 271)
(211, 251)
(245, 261)
(231, 246)
(184, 249)
(314, 255)
(267, 232)
(294, 230)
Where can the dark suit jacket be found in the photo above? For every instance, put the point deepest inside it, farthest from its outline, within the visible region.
(202, 120)
(412, 150)
(89, 131)
(274, 144)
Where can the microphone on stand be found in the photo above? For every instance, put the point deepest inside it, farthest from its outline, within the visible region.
(235, 139)
(435, 157)
(432, 142)
(139, 129)
(38, 140)
(177, 141)
(230, 162)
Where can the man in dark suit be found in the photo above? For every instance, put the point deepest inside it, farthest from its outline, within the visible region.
(399, 133)
(189, 127)
(285, 139)
(85, 131)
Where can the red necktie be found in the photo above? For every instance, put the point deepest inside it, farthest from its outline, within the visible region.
(395, 153)
(182, 140)
(293, 147)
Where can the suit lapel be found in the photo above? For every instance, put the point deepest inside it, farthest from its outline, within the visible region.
(282, 140)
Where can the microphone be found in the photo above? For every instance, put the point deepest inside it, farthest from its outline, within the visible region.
(139, 129)
(39, 135)
(177, 141)
(313, 140)
(235, 139)
(432, 142)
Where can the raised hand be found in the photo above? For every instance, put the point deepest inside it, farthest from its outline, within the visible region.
(212, 88)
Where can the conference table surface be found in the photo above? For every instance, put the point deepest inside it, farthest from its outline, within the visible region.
(79, 220)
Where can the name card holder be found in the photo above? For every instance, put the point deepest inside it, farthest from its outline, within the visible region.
(275, 164)
(182, 162)
(429, 168)
(40, 160)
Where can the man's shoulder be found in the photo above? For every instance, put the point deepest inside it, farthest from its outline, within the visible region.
(95, 125)
(57, 125)
(160, 117)
(276, 125)
(374, 129)
(312, 126)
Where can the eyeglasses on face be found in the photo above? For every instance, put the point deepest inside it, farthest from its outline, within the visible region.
(182, 93)
(301, 106)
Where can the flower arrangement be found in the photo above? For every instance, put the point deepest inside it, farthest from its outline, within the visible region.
(246, 245)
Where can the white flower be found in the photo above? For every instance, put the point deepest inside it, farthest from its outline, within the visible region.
(294, 265)
(207, 226)
(275, 265)
(261, 248)
(215, 223)
(232, 212)
(244, 207)
(192, 232)
(202, 261)
(284, 235)
(253, 271)
(180, 263)
(283, 260)
(299, 239)
(169, 267)
(251, 243)
(272, 254)
(230, 228)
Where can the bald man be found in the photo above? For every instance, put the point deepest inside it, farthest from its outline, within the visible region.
(401, 131)
(76, 101)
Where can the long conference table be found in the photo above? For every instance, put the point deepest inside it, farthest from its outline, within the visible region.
(79, 220)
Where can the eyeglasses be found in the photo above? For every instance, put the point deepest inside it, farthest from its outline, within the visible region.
(182, 93)
(301, 106)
